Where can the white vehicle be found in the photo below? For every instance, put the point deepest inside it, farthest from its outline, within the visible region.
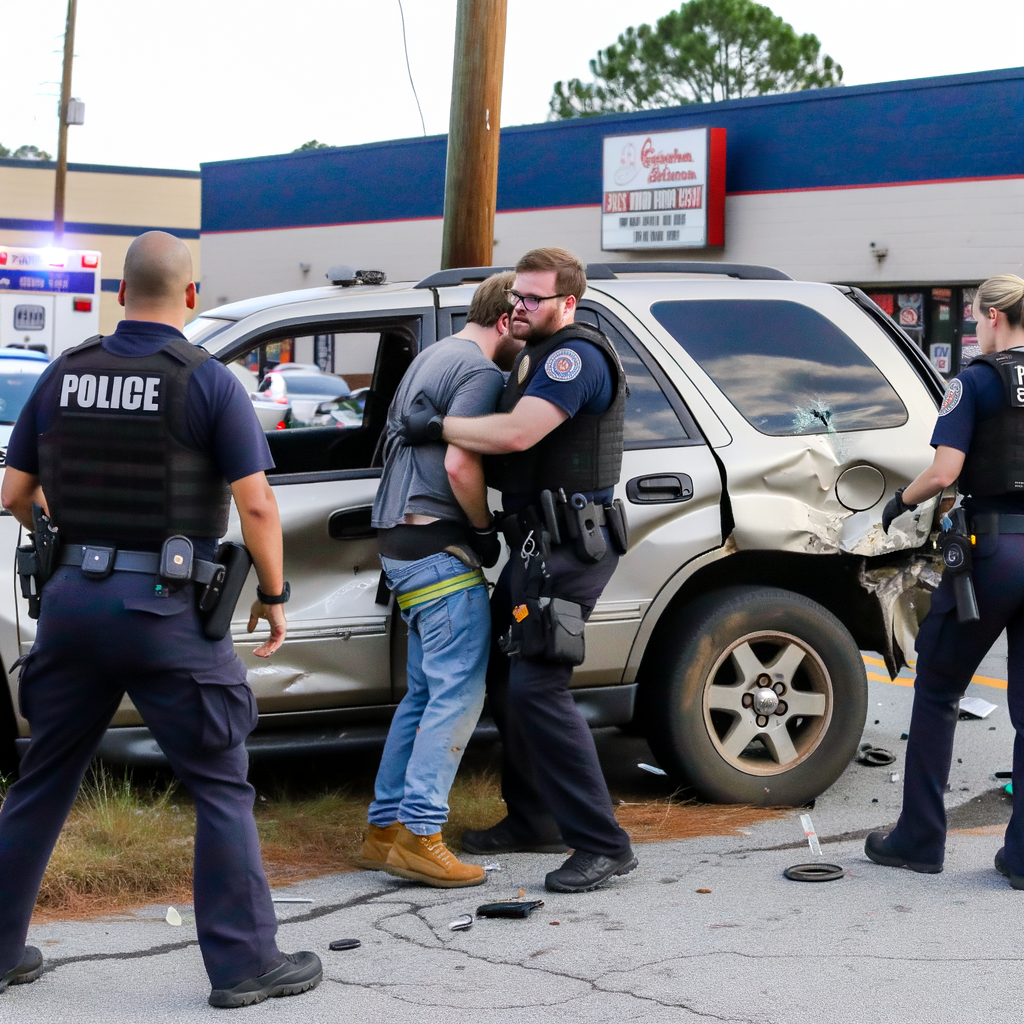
(19, 371)
(297, 395)
(49, 298)
(767, 423)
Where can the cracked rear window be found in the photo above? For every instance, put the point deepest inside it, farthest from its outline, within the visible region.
(787, 369)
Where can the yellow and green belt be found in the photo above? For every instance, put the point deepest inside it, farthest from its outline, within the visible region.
(444, 588)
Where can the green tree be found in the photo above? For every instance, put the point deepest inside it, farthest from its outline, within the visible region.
(4, 151)
(313, 144)
(708, 50)
(30, 153)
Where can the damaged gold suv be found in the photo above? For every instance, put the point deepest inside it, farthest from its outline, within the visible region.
(767, 423)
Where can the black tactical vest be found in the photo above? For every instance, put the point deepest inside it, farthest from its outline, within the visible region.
(113, 463)
(995, 462)
(582, 454)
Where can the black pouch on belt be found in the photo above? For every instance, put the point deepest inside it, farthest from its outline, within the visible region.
(583, 522)
(618, 525)
(217, 602)
(548, 629)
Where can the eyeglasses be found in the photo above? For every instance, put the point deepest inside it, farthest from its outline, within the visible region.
(531, 303)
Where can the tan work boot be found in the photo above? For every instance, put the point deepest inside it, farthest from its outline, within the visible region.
(377, 846)
(426, 859)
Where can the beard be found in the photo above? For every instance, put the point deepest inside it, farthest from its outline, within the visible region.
(538, 330)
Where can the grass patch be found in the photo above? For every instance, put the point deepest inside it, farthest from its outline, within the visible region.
(128, 844)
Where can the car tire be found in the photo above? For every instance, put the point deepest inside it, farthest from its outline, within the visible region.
(754, 695)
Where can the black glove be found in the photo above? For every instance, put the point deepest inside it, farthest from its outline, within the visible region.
(894, 508)
(423, 423)
(487, 544)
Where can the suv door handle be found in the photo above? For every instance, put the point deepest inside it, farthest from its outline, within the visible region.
(351, 524)
(659, 490)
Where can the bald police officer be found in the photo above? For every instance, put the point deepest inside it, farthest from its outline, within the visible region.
(125, 442)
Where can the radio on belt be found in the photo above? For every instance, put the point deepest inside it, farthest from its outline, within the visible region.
(176, 560)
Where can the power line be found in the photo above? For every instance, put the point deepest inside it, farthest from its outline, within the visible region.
(405, 46)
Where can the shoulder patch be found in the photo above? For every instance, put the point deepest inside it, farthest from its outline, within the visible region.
(524, 368)
(563, 365)
(953, 396)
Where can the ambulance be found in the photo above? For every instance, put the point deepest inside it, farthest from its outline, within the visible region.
(49, 298)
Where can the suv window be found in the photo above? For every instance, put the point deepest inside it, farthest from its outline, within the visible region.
(323, 398)
(785, 367)
(651, 420)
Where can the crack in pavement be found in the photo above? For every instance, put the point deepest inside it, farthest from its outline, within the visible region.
(174, 947)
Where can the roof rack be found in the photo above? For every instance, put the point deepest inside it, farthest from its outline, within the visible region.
(742, 271)
(449, 278)
(610, 271)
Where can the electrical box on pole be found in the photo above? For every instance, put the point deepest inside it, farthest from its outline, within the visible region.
(474, 131)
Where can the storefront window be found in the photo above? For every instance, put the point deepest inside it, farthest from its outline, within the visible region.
(969, 347)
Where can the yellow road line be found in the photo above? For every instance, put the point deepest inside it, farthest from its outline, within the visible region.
(908, 680)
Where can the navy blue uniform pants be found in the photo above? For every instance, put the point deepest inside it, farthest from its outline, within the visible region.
(551, 777)
(948, 655)
(96, 641)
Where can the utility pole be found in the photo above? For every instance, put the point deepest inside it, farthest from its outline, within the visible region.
(474, 134)
(62, 141)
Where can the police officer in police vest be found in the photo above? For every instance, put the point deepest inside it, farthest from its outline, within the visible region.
(555, 450)
(979, 438)
(123, 464)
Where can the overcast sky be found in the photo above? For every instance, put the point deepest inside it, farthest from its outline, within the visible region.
(175, 84)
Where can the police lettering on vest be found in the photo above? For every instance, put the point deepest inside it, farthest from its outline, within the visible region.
(114, 392)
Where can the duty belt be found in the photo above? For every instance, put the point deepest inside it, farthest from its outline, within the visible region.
(85, 556)
(444, 588)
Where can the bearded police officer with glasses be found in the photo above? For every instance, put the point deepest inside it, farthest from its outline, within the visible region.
(554, 450)
(123, 464)
(979, 441)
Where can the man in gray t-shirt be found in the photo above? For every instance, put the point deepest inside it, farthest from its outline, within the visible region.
(435, 531)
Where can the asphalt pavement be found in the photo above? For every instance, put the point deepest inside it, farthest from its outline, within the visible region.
(879, 944)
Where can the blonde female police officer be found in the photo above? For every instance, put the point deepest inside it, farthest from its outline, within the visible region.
(979, 438)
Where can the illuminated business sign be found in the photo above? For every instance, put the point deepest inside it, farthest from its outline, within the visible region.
(664, 190)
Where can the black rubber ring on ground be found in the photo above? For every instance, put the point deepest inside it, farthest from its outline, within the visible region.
(814, 872)
(876, 757)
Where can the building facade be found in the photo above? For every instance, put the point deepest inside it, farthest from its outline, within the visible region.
(106, 208)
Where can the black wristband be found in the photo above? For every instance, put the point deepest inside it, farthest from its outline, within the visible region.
(281, 598)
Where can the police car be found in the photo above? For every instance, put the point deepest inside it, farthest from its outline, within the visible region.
(767, 423)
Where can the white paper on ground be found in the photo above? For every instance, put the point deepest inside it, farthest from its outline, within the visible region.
(976, 707)
(173, 917)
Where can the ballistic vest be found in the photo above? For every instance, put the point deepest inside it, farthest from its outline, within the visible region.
(114, 464)
(995, 462)
(584, 453)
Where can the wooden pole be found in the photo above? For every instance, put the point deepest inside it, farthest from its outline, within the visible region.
(471, 178)
(62, 139)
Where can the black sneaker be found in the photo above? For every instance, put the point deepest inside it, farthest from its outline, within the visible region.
(501, 838)
(28, 970)
(1016, 881)
(299, 973)
(878, 849)
(585, 871)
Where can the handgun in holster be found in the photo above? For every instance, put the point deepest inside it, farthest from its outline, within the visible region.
(956, 543)
(38, 559)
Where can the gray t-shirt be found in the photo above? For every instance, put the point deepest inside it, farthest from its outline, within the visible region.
(461, 381)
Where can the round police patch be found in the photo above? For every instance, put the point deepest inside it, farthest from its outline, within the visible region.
(563, 365)
(953, 396)
(524, 369)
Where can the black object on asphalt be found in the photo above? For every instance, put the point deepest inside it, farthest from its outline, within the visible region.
(1004, 775)
(875, 757)
(338, 944)
(509, 908)
(461, 924)
(819, 872)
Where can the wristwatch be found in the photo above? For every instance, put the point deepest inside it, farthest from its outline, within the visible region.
(281, 598)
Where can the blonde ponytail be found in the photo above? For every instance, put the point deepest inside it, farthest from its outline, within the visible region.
(1005, 293)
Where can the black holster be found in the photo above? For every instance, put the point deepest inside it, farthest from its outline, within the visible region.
(956, 545)
(38, 559)
(217, 602)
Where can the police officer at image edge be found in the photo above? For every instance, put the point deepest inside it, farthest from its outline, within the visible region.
(134, 439)
(554, 450)
(978, 438)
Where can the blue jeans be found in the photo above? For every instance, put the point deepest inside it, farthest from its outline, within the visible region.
(449, 641)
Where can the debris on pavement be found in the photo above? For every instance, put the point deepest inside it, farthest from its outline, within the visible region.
(874, 757)
(650, 768)
(461, 924)
(172, 917)
(702, 890)
(492, 867)
(894, 776)
(339, 944)
(812, 836)
(975, 707)
(820, 872)
(554, 922)
(290, 899)
(509, 908)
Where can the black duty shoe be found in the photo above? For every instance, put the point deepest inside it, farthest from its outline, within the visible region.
(585, 871)
(1016, 881)
(299, 973)
(502, 838)
(28, 970)
(877, 848)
